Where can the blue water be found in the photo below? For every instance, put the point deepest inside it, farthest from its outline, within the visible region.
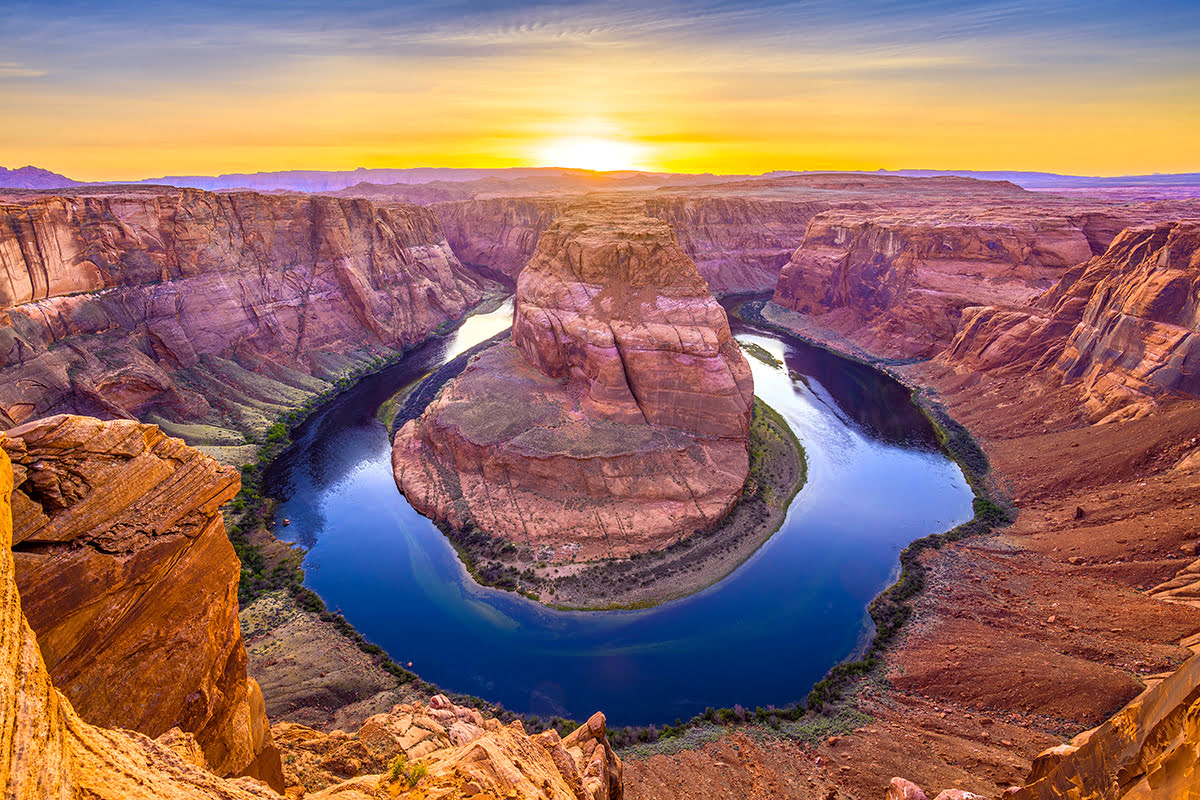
(763, 636)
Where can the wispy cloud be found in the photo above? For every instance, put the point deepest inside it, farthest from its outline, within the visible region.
(14, 69)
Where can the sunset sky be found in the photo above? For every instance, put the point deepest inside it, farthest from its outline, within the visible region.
(124, 90)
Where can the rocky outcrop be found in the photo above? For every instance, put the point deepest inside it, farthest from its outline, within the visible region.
(464, 754)
(1150, 749)
(49, 752)
(1123, 326)
(617, 419)
(116, 305)
(130, 584)
(899, 280)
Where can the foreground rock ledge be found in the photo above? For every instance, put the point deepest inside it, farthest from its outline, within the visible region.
(617, 419)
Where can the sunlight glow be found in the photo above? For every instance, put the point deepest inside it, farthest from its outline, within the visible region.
(591, 152)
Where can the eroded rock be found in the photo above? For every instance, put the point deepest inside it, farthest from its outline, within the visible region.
(131, 584)
(617, 419)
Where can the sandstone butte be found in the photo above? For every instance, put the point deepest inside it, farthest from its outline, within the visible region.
(616, 421)
(193, 306)
(47, 751)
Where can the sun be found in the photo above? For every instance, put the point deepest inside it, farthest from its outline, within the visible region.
(591, 152)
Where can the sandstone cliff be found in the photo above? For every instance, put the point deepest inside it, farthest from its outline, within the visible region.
(49, 752)
(617, 419)
(1123, 326)
(738, 243)
(161, 301)
(900, 280)
(130, 584)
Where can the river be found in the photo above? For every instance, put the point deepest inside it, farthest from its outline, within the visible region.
(762, 636)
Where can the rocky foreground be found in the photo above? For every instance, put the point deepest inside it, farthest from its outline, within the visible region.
(617, 419)
(127, 497)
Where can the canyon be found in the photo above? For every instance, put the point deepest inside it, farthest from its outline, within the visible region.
(210, 314)
(1059, 329)
(617, 419)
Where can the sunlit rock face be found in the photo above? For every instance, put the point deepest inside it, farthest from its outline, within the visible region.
(51, 753)
(114, 305)
(900, 279)
(130, 583)
(616, 420)
(1124, 326)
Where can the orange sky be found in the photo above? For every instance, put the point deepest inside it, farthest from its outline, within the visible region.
(722, 91)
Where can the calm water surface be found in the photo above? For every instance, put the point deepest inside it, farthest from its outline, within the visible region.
(762, 636)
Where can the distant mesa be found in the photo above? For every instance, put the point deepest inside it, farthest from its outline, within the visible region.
(616, 420)
(29, 177)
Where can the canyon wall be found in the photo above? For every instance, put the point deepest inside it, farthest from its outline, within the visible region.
(130, 584)
(900, 280)
(1123, 326)
(738, 243)
(617, 419)
(126, 305)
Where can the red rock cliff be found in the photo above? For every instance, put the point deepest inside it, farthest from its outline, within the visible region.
(130, 584)
(615, 422)
(104, 299)
(899, 280)
(1123, 325)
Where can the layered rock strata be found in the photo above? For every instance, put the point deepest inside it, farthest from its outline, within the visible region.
(738, 243)
(900, 280)
(616, 421)
(130, 584)
(132, 304)
(1123, 325)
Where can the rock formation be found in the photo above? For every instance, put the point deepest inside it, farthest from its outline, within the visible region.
(1123, 325)
(116, 304)
(466, 755)
(49, 752)
(616, 420)
(131, 584)
(1150, 749)
(904, 277)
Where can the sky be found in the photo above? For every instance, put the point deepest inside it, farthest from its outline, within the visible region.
(124, 90)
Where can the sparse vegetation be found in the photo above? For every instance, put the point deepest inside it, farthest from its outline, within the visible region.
(761, 353)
